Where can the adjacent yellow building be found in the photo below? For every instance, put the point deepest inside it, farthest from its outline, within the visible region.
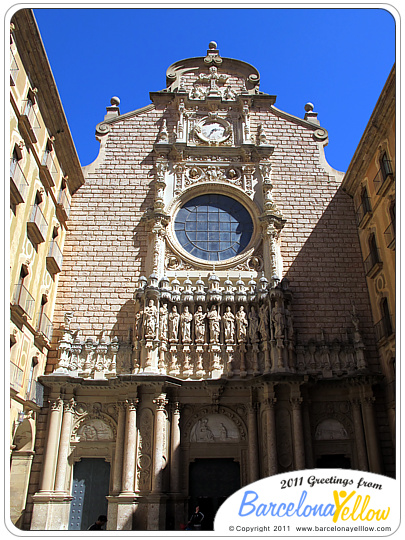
(370, 180)
(44, 173)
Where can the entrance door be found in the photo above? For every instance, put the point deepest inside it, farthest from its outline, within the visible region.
(333, 461)
(91, 481)
(211, 481)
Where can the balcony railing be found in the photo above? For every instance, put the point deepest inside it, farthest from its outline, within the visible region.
(23, 300)
(384, 174)
(384, 328)
(30, 120)
(48, 171)
(37, 225)
(372, 263)
(45, 327)
(64, 204)
(13, 69)
(18, 183)
(363, 210)
(389, 236)
(36, 393)
(16, 377)
(54, 258)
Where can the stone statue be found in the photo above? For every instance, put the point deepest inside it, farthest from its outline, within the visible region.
(214, 317)
(185, 324)
(277, 317)
(289, 325)
(264, 321)
(138, 325)
(203, 432)
(163, 313)
(199, 325)
(150, 320)
(253, 325)
(174, 320)
(241, 325)
(229, 325)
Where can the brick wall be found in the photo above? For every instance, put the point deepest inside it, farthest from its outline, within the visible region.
(106, 245)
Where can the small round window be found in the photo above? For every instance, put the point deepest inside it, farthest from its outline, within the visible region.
(213, 227)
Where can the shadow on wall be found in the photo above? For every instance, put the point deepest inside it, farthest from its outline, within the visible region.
(327, 278)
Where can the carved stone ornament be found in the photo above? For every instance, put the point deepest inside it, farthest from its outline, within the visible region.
(330, 430)
(94, 429)
(214, 428)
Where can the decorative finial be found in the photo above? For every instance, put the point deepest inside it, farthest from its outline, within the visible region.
(309, 107)
(213, 45)
(115, 101)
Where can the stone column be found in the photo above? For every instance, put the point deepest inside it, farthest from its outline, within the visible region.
(64, 445)
(253, 443)
(373, 449)
(298, 432)
(160, 419)
(270, 418)
(156, 506)
(359, 434)
(175, 449)
(119, 450)
(128, 467)
(51, 450)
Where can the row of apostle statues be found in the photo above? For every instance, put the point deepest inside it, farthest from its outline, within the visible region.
(200, 326)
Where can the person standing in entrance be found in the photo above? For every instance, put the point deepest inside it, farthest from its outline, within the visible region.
(98, 525)
(195, 520)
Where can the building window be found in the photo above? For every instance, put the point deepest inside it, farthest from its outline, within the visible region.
(364, 208)
(372, 262)
(384, 325)
(385, 166)
(213, 227)
(389, 232)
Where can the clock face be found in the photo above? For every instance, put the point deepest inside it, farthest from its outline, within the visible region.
(213, 131)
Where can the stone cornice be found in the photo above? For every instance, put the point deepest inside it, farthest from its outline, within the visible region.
(380, 119)
(35, 60)
(104, 127)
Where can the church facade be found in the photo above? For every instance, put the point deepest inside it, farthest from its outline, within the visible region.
(213, 324)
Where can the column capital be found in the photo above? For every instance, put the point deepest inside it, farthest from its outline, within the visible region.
(160, 401)
(131, 404)
(56, 404)
(269, 403)
(296, 402)
(69, 405)
(175, 407)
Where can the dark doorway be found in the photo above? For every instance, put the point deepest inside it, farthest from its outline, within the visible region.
(333, 461)
(211, 482)
(91, 481)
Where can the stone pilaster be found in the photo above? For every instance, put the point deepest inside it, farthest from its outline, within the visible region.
(270, 419)
(370, 429)
(298, 431)
(253, 443)
(359, 435)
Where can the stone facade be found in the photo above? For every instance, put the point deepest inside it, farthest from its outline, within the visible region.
(166, 363)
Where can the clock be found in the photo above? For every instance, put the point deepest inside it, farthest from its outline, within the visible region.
(213, 130)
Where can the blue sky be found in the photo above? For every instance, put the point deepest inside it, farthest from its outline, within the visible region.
(338, 59)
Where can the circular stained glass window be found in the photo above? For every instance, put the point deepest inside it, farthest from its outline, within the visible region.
(213, 227)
